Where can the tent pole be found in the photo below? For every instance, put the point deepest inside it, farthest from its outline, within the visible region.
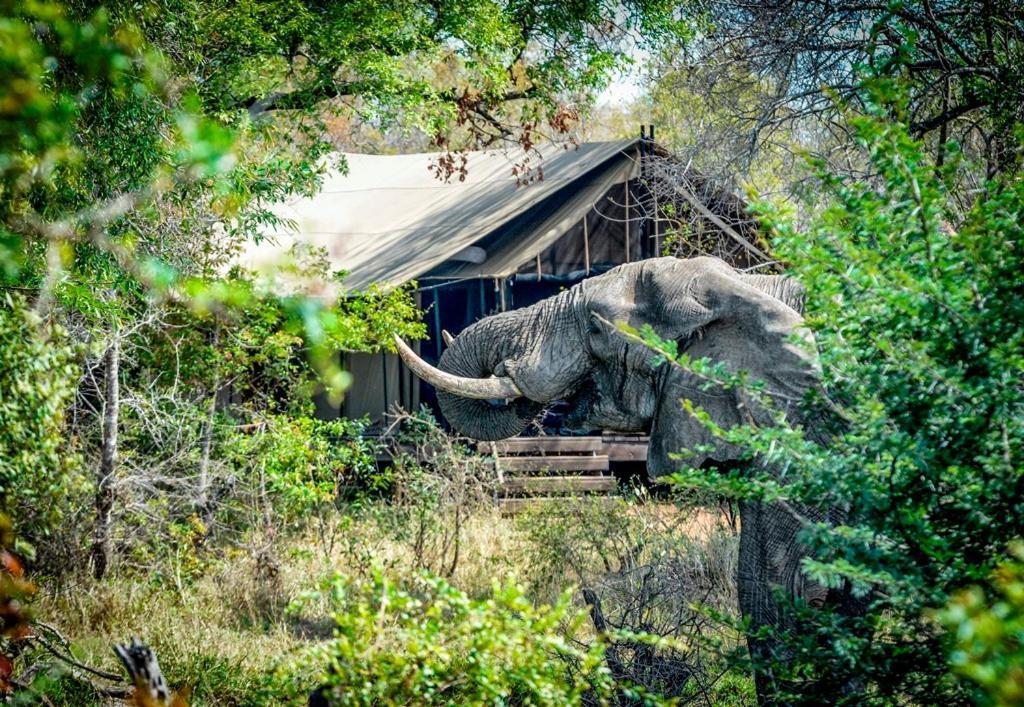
(483, 299)
(539, 273)
(437, 324)
(626, 185)
(384, 369)
(499, 290)
(586, 243)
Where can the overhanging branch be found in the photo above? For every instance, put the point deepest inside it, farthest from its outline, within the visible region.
(947, 116)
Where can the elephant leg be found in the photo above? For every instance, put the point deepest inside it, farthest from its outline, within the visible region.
(757, 600)
(768, 577)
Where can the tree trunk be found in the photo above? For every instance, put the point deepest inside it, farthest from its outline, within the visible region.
(203, 502)
(101, 550)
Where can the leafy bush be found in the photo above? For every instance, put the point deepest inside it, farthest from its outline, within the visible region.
(920, 327)
(425, 642)
(37, 378)
(988, 631)
(297, 464)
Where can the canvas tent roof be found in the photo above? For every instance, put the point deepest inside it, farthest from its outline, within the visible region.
(390, 220)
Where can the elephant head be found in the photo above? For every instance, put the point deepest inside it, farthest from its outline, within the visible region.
(499, 373)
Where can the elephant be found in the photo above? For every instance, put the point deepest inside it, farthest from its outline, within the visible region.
(498, 374)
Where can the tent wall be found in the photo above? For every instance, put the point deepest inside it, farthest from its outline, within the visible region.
(379, 382)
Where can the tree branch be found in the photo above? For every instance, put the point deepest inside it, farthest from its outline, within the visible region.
(947, 116)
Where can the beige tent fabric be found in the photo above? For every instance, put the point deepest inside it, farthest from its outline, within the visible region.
(390, 220)
(521, 245)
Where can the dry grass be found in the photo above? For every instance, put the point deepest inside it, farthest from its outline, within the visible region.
(219, 625)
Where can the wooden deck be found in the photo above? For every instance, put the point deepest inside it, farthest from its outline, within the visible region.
(535, 469)
(549, 469)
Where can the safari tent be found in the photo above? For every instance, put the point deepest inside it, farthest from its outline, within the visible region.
(503, 233)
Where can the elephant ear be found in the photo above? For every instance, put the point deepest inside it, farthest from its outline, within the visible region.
(746, 329)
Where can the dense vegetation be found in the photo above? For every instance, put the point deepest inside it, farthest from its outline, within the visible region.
(164, 475)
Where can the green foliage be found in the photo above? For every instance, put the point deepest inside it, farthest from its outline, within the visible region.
(426, 642)
(452, 63)
(36, 383)
(920, 330)
(987, 625)
(299, 463)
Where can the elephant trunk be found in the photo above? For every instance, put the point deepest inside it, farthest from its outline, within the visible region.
(480, 352)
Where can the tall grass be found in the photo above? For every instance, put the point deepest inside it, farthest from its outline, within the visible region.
(220, 624)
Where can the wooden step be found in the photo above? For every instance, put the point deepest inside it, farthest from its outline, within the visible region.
(512, 506)
(625, 437)
(542, 445)
(558, 484)
(622, 447)
(594, 463)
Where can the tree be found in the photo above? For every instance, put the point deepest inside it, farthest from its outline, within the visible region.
(960, 62)
(919, 329)
(497, 69)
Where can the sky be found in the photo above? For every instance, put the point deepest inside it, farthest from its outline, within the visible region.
(625, 87)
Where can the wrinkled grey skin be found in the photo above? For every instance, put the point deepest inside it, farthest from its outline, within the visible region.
(562, 348)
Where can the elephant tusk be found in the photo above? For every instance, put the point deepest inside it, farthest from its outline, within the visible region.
(493, 388)
(448, 338)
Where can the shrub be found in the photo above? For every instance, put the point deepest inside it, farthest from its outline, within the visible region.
(295, 465)
(437, 483)
(920, 327)
(425, 642)
(643, 568)
(987, 625)
(37, 380)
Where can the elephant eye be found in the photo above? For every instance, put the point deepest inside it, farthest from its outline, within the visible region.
(686, 341)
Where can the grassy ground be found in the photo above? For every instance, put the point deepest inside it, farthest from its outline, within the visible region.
(219, 624)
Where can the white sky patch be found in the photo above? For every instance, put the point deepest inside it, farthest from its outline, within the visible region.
(626, 85)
